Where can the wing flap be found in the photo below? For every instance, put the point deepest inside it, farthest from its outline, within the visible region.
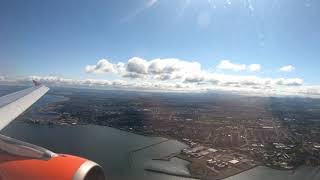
(12, 105)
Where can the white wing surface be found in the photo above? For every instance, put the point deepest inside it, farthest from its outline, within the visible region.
(12, 105)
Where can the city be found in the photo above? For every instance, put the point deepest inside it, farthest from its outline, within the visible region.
(226, 133)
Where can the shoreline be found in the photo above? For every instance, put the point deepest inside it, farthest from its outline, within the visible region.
(223, 177)
(173, 174)
(197, 177)
(168, 157)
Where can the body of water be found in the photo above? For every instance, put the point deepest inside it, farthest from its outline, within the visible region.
(111, 149)
(107, 146)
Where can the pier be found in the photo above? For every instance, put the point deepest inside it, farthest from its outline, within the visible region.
(143, 148)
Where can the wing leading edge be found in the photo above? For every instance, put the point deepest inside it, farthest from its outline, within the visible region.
(12, 105)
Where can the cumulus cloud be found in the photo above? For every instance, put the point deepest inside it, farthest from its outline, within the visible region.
(254, 67)
(309, 90)
(287, 68)
(290, 82)
(119, 83)
(168, 69)
(188, 72)
(251, 85)
(194, 79)
(5, 79)
(162, 69)
(133, 75)
(55, 80)
(223, 80)
(228, 65)
(177, 74)
(137, 65)
(104, 66)
(208, 79)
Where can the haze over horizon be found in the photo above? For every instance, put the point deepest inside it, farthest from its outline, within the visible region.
(268, 47)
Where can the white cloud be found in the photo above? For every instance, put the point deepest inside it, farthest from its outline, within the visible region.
(250, 85)
(104, 66)
(51, 79)
(223, 80)
(133, 75)
(162, 69)
(254, 67)
(5, 79)
(175, 74)
(290, 82)
(167, 69)
(119, 82)
(194, 79)
(309, 90)
(287, 68)
(180, 71)
(137, 65)
(55, 80)
(228, 65)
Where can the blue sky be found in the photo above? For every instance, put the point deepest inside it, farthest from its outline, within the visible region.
(62, 37)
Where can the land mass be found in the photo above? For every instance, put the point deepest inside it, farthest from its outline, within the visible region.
(226, 133)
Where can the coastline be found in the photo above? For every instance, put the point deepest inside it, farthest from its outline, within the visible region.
(194, 176)
(166, 158)
(177, 155)
(173, 174)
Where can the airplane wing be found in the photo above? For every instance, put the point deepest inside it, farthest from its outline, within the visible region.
(12, 105)
(22, 160)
